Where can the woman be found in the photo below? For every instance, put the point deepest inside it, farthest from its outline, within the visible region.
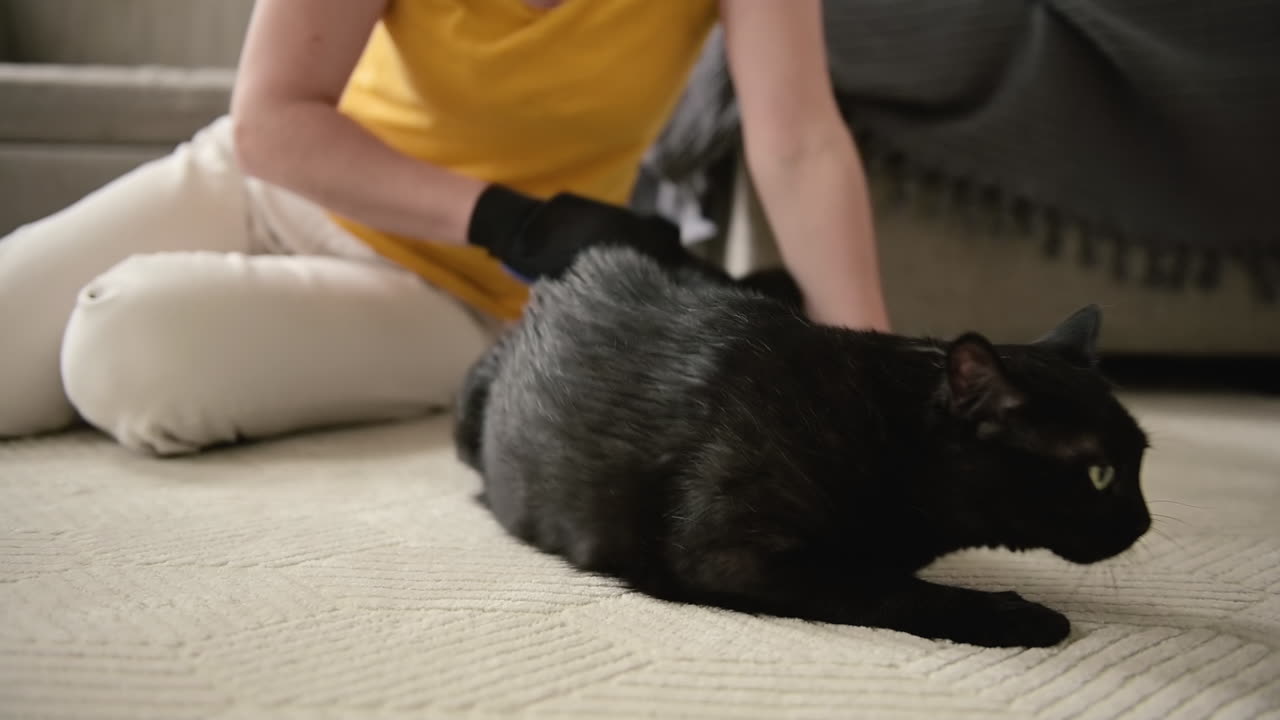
(346, 241)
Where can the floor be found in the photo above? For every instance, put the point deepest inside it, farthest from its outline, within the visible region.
(349, 572)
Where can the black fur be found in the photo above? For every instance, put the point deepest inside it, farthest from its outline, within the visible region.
(705, 443)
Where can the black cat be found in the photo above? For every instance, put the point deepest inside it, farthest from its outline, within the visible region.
(705, 443)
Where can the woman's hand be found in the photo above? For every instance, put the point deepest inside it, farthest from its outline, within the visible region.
(803, 160)
(538, 238)
(297, 57)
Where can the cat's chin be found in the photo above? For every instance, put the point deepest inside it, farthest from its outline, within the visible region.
(1087, 556)
(1103, 548)
(1016, 547)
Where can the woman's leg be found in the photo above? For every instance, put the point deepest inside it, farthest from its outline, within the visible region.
(191, 199)
(174, 352)
(145, 308)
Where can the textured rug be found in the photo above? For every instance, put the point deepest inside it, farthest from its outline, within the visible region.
(349, 573)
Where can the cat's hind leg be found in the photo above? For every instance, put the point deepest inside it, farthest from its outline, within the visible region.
(469, 410)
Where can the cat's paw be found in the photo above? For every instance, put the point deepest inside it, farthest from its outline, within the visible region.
(1017, 622)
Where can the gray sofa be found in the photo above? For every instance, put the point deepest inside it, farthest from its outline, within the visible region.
(92, 88)
(944, 274)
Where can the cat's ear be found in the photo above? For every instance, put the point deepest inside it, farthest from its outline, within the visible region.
(978, 387)
(1076, 338)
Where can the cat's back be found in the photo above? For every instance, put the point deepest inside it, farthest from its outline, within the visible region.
(611, 289)
(620, 346)
(618, 305)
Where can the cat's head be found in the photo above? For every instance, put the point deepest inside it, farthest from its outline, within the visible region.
(1037, 450)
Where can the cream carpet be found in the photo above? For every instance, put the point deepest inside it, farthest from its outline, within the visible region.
(349, 573)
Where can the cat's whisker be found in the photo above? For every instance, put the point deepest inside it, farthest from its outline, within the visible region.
(1166, 536)
(1144, 548)
(1175, 502)
(1165, 533)
(1140, 555)
(1170, 517)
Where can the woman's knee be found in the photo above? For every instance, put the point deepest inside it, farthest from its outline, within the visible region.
(127, 356)
(172, 353)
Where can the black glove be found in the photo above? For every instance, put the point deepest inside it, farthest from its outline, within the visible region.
(535, 238)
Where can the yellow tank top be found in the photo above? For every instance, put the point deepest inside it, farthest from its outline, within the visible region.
(566, 99)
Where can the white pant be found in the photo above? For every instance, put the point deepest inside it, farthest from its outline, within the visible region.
(185, 305)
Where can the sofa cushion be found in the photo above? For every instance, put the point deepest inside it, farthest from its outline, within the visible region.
(109, 104)
(6, 32)
(189, 33)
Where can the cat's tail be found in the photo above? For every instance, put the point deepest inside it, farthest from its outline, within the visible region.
(469, 412)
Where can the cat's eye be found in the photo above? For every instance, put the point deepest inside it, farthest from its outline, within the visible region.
(1101, 475)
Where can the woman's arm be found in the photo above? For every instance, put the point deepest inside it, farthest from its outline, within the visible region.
(803, 160)
(297, 57)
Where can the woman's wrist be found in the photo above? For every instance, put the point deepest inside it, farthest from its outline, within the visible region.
(497, 217)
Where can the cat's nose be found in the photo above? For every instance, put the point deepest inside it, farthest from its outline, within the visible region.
(1143, 525)
(1133, 528)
